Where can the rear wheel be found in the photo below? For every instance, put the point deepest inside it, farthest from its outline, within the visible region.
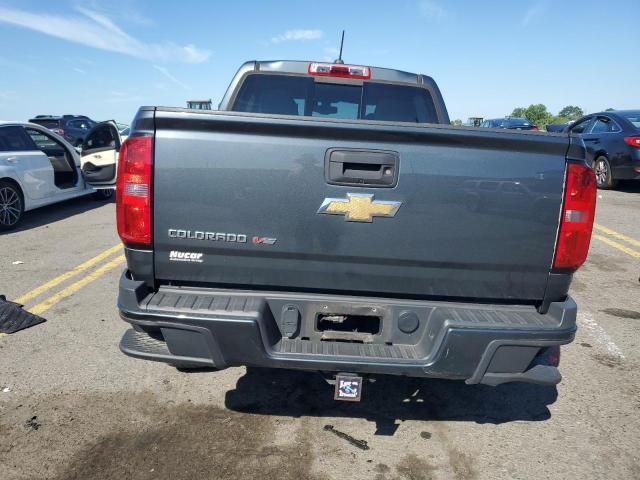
(603, 173)
(11, 205)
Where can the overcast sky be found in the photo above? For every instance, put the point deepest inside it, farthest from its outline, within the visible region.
(105, 59)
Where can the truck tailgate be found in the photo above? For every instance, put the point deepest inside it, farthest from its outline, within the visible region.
(238, 201)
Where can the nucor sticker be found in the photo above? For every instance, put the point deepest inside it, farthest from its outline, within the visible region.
(177, 256)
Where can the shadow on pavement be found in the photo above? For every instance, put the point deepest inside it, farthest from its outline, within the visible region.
(628, 186)
(390, 398)
(59, 211)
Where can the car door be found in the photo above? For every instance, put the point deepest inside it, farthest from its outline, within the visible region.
(583, 128)
(21, 160)
(99, 156)
(607, 138)
(61, 158)
(593, 137)
(602, 133)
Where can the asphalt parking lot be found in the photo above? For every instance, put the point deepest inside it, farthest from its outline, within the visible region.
(73, 407)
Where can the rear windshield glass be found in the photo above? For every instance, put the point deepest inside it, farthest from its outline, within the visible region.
(633, 118)
(46, 123)
(303, 96)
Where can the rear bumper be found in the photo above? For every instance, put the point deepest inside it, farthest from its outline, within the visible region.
(477, 343)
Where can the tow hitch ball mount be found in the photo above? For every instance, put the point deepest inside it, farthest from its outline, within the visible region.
(347, 386)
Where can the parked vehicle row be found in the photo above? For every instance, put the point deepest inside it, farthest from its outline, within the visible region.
(73, 128)
(39, 167)
(510, 123)
(612, 139)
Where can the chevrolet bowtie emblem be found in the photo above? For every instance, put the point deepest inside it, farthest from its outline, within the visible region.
(358, 207)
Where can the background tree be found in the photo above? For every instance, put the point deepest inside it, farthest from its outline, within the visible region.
(610, 109)
(518, 112)
(536, 114)
(571, 112)
(457, 122)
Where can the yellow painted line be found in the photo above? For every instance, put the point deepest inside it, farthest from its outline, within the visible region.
(618, 246)
(67, 275)
(614, 234)
(74, 287)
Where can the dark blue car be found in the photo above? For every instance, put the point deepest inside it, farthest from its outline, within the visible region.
(613, 144)
(510, 123)
(74, 128)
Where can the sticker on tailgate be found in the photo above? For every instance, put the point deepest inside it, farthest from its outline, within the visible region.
(179, 256)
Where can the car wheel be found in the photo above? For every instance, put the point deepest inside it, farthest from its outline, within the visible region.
(11, 206)
(603, 173)
(103, 194)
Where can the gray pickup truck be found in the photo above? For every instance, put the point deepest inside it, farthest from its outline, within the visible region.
(328, 218)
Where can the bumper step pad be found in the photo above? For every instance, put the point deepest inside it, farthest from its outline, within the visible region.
(396, 352)
(142, 342)
(142, 345)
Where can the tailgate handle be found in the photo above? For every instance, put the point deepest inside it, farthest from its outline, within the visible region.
(366, 168)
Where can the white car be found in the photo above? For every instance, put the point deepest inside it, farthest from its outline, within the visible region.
(38, 167)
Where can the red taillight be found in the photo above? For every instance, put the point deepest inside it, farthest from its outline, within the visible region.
(133, 191)
(578, 210)
(339, 70)
(633, 141)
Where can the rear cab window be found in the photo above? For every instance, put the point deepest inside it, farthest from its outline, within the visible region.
(306, 96)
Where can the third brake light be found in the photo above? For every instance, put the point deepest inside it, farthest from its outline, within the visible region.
(339, 70)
